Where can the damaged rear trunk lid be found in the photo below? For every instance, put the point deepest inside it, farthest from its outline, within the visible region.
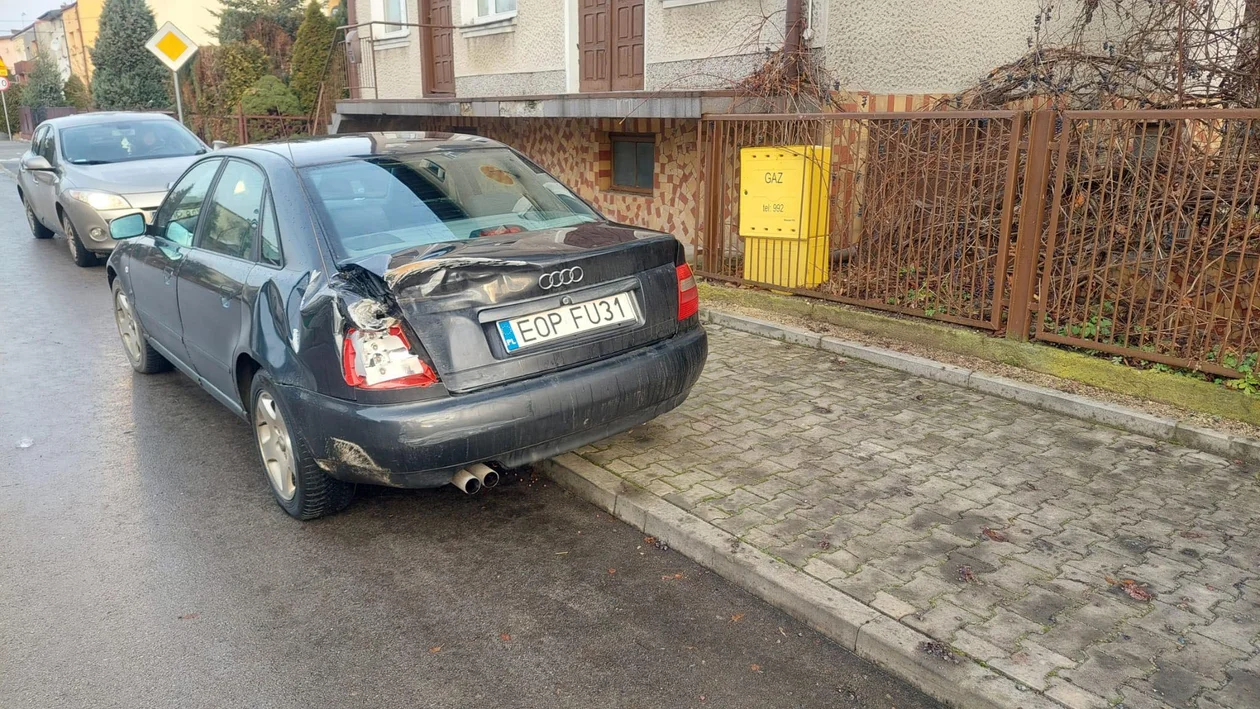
(503, 308)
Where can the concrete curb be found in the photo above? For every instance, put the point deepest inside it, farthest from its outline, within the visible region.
(1124, 418)
(849, 622)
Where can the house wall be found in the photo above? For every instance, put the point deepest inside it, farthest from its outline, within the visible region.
(50, 37)
(89, 12)
(521, 57)
(80, 61)
(577, 152)
(871, 46)
(916, 47)
(709, 44)
(12, 50)
(398, 68)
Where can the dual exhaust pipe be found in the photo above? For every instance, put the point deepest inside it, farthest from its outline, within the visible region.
(470, 480)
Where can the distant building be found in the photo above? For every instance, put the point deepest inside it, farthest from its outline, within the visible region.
(80, 57)
(50, 38)
(12, 50)
(18, 49)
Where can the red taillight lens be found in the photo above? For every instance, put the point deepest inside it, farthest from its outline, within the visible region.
(415, 371)
(688, 296)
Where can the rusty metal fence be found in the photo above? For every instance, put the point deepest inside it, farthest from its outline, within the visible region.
(240, 128)
(922, 207)
(1153, 239)
(1135, 233)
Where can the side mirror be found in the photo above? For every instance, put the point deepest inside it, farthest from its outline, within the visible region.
(127, 227)
(218, 145)
(36, 163)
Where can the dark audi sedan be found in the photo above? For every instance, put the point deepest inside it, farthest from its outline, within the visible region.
(403, 309)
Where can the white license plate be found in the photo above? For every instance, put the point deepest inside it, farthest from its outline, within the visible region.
(566, 321)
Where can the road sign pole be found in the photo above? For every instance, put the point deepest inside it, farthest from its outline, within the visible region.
(173, 48)
(179, 101)
(8, 130)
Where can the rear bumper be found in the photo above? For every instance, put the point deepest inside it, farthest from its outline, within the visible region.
(420, 444)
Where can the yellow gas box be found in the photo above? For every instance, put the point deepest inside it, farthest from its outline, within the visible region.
(784, 214)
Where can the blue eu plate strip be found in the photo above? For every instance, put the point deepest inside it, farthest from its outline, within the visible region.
(509, 336)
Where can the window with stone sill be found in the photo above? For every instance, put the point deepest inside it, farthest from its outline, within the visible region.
(390, 11)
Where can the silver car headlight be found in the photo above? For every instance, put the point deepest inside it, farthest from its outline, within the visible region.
(100, 201)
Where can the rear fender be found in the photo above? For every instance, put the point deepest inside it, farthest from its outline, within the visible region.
(321, 309)
(276, 339)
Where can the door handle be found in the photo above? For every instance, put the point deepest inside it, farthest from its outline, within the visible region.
(169, 273)
(227, 295)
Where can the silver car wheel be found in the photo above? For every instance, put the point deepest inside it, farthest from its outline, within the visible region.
(71, 241)
(128, 330)
(275, 445)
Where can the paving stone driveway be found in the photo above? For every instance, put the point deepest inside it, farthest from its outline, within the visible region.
(1001, 529)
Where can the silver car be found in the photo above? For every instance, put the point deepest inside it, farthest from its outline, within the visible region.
(84, 170)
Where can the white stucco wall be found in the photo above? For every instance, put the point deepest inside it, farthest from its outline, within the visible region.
(524, 55)
(398, 68)
(707, 44)
(924, 46)
(710, 29)
(879, 46)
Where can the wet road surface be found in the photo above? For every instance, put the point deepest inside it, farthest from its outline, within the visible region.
(144, 564)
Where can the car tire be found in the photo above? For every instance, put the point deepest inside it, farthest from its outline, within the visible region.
(298, 484)
(82, 257)
(143, 358)
(39, 230)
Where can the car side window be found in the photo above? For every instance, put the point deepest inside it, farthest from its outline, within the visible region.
(234, 211)
(269, 248)
(37, 140)
(177, 219)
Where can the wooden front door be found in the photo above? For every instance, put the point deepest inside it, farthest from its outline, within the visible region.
(610, 45)
(593, 57)
(627, 54)
(439, 60)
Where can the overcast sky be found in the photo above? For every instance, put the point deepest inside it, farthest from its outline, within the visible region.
(11, 12)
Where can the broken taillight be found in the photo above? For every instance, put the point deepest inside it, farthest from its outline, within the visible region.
(383, 360)
(688, 296)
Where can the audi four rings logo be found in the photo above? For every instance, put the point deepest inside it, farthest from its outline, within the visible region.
(563, 277)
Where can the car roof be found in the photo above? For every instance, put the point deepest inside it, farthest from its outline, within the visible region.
(333, 148)
(82, 119)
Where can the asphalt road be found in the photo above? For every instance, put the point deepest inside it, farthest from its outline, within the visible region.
(10, 151)
(143, 563)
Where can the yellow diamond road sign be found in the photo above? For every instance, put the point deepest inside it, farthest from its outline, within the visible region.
(171, 46)
(4, 70)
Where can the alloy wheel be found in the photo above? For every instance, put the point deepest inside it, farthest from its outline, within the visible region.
(71, 239)
(275, 445)
(128, 330)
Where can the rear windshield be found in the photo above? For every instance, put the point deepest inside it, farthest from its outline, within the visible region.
(120, 141)
(385, 204)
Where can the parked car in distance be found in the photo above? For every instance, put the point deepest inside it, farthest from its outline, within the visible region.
(404, 309)
(84, 170)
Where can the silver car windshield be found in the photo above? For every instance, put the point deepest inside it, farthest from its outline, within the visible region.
(384, 204)
(102, 143)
